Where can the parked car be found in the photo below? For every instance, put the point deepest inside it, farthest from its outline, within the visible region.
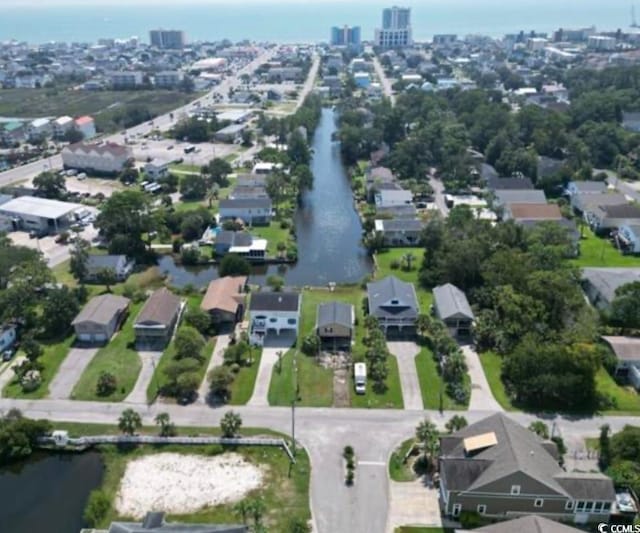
(7, 355)
(82, 176)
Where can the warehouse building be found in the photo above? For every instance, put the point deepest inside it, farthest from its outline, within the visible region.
(42, 215)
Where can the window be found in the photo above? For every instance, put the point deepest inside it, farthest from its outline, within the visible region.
(581, 505)
(538, 503)
(482, 509)
(456, 509)
(569, 505)
(291, 321)
(597, 507)
(606, 507)
(515, 490)
(395, 302)
(273, 319)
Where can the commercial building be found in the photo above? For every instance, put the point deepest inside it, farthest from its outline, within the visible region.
(126, 79)
(109, 158)
(601, 43)
(167, 39)
(168, 79)
(42, 215)
(348, 36)
(396, 28)
(61, 126)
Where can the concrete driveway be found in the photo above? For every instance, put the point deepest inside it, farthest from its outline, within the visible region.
(222, 341)
(413, 503)
(150, 361)
(405, 353)
(263, 379)
(70, 371)
(481, 396)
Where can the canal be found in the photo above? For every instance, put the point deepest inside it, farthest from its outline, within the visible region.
(328, 228)
(48, 492)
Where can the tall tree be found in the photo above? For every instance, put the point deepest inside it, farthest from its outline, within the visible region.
(50, 185)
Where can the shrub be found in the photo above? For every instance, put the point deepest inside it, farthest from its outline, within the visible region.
(351, 465)
(349, 478)
(97, 508)
(107, 384)
(176, 245)
(470, 520)
(235, 368)
(348, 452)
(395, 264)
(284, 224)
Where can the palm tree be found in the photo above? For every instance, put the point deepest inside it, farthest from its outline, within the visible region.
(257, 509)
(456, 423)
(129, 422)
(167, 428)
(230, 424)
(424, 324)
(242, 509)
(408, 259)
(427, 436)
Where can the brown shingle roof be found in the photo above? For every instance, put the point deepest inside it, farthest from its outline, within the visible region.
(101, 309)
(161, 307)
(224, 294)
(535, 211)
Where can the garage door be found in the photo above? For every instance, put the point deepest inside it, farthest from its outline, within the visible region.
(85, 337)
(99, 337)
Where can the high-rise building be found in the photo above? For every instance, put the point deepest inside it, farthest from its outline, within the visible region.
(346, 36)
(396, 28)
(173, 39)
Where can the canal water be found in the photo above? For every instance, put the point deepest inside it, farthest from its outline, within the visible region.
(48, 492)
(328, 228)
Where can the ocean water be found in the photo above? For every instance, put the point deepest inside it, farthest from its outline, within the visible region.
(295, 20)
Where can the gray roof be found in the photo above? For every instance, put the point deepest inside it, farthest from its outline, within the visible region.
(548, 166)
(381, 174)
(528, 524)
(264, 203)
(621, 211)
(625, 348)
(518, 450)
(509, 184)
(231, 129)
(569, 225)
(245, 191)
(592, 200)
(488, 172)
(451, 302)
(101, 309)
(406, 224)
(398, 211)
(96, 262)
(4, 198)
(274, 301)
(335, 313)
(589, 186)
(534, 196)
(161, 308)
(381, 293)
(607, 280)
(42, 207)
(234, 238)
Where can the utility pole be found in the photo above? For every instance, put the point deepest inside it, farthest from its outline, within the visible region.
(293, 403)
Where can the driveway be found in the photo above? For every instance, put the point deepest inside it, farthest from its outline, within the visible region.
(150, 361)
(222, 341)
(413, 503)
(481, 396)
(70, 371)
(405, 353)
(6, 372)
(261, 388)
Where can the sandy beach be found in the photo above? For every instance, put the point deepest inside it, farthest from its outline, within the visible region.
(177, 483)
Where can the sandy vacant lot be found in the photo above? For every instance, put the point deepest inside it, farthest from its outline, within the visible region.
(177, 483)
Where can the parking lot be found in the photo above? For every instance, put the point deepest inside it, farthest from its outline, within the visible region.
(171, 150)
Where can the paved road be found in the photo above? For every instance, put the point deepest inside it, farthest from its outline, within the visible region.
(222, 341)
(481, 396)
(405, 353)
(267, 362)
(384, 81)
(70, 371)
(310, 82)
(438, 194)
(621, 185)
(150, 361)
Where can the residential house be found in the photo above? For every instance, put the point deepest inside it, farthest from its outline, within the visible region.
(500, 469)
(12, 132)
(251, 180)
(156, 321)
(575, 190)
(494, 183)
(251, 210)
(61, 126)
(631, 121)
(334, 84)
(156, 169)
(87, 126)
(585, 200)
(274, 316)
(450, 305)
(526, 524)
(100, 318)
(488, 173)
(600, 284)
(335, 324)
(604, 218)
(126, 79)
(406, 211)
(627, 352)
(38, 129)
(225, 299)
(548, 167)
(522, 212)
(245, 192)
(628, 238)
(388, 198)
(8, 336)
(119, 264)
(525, 196)
(400, 232)
(362, 80)
(230, 134)
(240, 243)
(154, 523)
(395, 304)
(168, 79)
(263, 169)
(108, 158)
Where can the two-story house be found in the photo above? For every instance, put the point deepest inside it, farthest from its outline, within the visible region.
(251, 211)
(400, 232)
(451, 306)
(274, 316)
(502, 470)
(395, 304)
(335, 324)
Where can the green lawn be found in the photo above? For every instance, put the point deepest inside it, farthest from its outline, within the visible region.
(391, 398)
(492, 366)
(189, 205)
(624, 398)
(431, 383)
(274, 234)
(245, 380)
(383, 269)
(119, 358)
(599, 252)
(52, 357)
(399, 470)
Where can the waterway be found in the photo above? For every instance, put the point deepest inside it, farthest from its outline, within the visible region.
(327, 225)
(48, 492)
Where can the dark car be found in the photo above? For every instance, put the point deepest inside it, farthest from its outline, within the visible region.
(8, 354)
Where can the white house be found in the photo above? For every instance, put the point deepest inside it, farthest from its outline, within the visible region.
(389, 198)
(119, 264)
(274, 316)
(126, 79)
(263, 169)
(156, 169)
(38, 129)
(87, 126)
(249, 210)
(627, 352)
(109, 158)
(62, 125)
(629, 238)
(7, 337)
